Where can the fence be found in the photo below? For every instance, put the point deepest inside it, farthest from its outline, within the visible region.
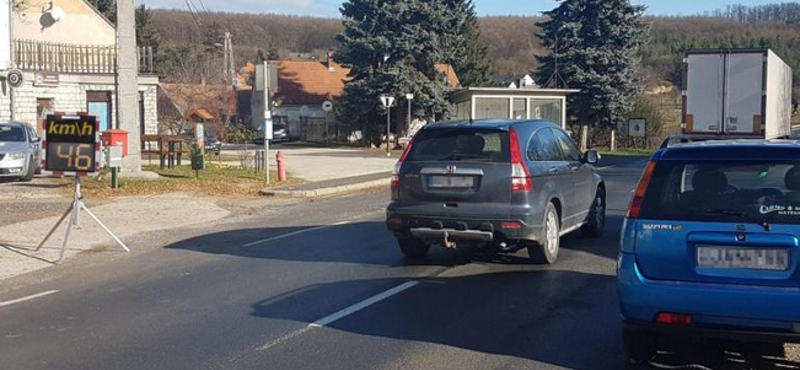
(71, 58)
(314, 130)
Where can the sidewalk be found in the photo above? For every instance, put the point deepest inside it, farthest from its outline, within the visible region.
(324, 164)
(330, 187)
(126, 217)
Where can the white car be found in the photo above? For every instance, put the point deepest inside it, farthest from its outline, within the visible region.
(20, 149)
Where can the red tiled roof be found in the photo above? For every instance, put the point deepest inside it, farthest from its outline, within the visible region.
(201, 113)
(311, 82)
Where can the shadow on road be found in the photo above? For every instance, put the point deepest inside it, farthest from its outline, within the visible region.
(563, 318)
(367, 243)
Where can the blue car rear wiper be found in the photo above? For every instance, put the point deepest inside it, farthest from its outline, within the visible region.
(740, 214)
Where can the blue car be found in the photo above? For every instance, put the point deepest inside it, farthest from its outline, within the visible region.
(710, 247)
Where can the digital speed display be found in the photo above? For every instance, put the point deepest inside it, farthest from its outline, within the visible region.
(71, 144)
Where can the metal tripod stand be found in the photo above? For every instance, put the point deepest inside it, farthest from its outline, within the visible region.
(74, 211)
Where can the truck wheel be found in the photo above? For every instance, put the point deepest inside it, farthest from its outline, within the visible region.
(545, 252)
(29, 175)
(640, 347)
(413, 248)
(597, 216)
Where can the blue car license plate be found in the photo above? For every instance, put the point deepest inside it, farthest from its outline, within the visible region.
(743, 258)
(451, 181)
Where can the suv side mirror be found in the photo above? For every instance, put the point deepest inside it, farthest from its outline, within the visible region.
(36, 140)
(592, 157)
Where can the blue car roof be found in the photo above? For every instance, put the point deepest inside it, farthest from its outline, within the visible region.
(497, 124)
(722, 150)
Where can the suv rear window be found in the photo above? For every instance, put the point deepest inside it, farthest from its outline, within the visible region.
(461, 145)
(725, 191)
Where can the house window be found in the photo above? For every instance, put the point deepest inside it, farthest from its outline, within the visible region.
(520, 109)
(98, 103)
(546, 109)
(492, 108)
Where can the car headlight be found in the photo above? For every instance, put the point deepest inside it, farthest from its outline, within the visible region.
(17, 156)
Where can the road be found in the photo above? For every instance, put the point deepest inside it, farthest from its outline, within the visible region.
(322, 286)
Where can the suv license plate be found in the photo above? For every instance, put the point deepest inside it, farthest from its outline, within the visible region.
(743, 258)
(451, 181)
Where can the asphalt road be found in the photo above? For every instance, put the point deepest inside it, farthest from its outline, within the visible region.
(322, 286)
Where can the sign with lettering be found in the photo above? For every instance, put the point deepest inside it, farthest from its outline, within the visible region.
(72, 144)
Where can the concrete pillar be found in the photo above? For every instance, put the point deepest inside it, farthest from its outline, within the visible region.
(127, 84)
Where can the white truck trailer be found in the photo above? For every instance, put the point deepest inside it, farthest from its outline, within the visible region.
(737, 93)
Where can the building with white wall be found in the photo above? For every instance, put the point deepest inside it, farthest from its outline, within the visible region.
(66, 51)
(512, 103)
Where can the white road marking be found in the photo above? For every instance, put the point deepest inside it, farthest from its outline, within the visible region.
(294, 233)
(285, 338)
(339, 315)
(362, 305)
(28, 298)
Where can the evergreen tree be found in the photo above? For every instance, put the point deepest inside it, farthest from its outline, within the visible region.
(392, 48)
(146, 34)
(470, 60)
(598, 53)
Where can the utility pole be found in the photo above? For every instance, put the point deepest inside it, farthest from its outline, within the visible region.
(11, 62)
(128, 84)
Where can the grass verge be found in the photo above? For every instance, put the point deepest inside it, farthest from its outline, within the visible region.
(215, 180)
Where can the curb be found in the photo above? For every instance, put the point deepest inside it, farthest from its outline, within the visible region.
(325, 191)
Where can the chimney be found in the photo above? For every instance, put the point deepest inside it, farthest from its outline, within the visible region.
(330, 61)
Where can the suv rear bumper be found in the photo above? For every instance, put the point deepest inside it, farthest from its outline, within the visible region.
(455, 229)
(720, 311)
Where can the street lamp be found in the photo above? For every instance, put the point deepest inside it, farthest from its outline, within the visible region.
(409, 98)
(388, 103)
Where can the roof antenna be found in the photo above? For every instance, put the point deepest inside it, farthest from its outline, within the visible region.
(556, 77)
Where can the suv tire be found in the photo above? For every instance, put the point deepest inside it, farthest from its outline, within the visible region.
(31, 171)
(639, 347)
(413, 248)
(545, 252)
(597, 216)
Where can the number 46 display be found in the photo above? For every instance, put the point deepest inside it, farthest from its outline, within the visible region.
(72, 143)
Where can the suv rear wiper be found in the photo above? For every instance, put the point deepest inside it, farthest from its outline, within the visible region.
(740, 214)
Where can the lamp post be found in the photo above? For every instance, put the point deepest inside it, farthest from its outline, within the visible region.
(388, 102)
(409, 98)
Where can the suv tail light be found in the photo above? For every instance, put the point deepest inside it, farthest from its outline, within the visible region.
(399, 164)
(638, 197)
(520, 176)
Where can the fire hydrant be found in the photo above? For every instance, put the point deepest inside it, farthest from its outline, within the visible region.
(281, 160)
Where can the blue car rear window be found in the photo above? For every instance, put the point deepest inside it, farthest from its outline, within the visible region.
(724, 191)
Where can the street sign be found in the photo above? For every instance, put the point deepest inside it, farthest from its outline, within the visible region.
(637, 128)
(15, 78)
(46, 79)
(305, 111)
(387, 101)
(327, 106)
(72, 144)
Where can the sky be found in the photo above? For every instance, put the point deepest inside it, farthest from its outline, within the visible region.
(330, 8)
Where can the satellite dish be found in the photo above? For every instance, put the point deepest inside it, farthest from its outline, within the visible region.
(305, 111)
(57, 13)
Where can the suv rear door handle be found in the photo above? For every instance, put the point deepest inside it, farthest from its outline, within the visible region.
(554, 170)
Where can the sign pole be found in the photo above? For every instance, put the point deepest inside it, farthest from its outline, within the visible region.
(388, 131)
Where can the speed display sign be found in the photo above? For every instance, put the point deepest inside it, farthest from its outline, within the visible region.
(72, 144)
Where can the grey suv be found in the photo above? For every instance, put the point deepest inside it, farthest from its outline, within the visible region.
(508, 184)
(19, 151)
